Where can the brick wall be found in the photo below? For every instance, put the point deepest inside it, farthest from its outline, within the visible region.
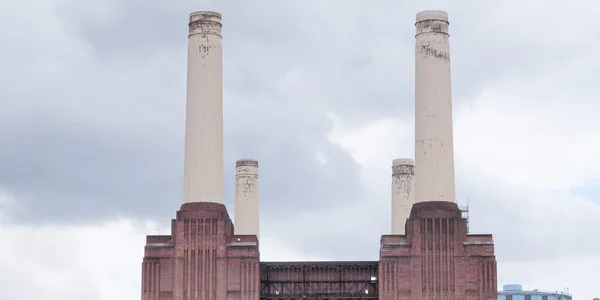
(202, 259)
(435, 259)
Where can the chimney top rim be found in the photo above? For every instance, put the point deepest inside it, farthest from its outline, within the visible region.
(246, 162)
(438, 15)
(207, 13)
(403, 161)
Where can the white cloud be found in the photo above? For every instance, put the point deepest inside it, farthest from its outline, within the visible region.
(72, 262)
(577, 275)
(511, 179)
(100, 261)
(374, 146)
(538, 135)
(274, 249)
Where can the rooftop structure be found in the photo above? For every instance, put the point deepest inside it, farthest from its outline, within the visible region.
(516, 292)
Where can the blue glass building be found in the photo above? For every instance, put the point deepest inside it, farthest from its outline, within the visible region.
(516, 292)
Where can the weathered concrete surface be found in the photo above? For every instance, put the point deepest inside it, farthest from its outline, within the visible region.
(434, 145)
(403, 196)
(246, 198)
(203, 167)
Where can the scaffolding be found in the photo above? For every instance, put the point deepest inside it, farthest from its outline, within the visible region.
(464, 211)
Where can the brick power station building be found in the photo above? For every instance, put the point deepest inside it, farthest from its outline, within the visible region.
(429, 254)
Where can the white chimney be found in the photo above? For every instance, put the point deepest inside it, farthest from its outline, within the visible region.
(246, 197)
(203, 166)
(403, 196)
(434, 154)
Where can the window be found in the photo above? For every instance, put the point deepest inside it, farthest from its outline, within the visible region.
(544, 297)
(527, 297)
(509, 297)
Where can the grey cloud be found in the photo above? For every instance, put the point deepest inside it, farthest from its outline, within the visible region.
(104, 137)
(286, 144)
(120, 102)
(529, 225)
(66, 172)
(349, 232)
(93, 95)
(263, 43)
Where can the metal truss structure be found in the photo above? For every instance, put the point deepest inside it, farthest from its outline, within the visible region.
(318, 280)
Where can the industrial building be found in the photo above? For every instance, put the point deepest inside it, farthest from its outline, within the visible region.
(427, 255)
(516, 292)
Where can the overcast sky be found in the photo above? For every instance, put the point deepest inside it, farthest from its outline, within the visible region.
(92, 107)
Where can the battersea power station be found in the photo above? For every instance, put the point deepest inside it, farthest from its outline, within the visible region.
(428, 255)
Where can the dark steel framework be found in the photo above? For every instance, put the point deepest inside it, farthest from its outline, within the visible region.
(318, 280)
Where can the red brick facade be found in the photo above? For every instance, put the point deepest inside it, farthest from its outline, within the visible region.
(202, 259)
(436, 259)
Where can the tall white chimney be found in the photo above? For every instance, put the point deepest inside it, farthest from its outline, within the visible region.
(434, 153)
(246, 197)
(203, 166)
(403, 192)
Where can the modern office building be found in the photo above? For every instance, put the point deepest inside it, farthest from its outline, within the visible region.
(516, 292)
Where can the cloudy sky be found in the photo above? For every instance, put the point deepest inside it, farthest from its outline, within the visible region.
(92, 103)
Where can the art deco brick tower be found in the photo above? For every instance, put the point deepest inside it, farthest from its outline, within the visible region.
(429, 255)
(436, 258)
(202, 258)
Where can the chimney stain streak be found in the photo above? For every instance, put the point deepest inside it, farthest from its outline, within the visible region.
(430, 51)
